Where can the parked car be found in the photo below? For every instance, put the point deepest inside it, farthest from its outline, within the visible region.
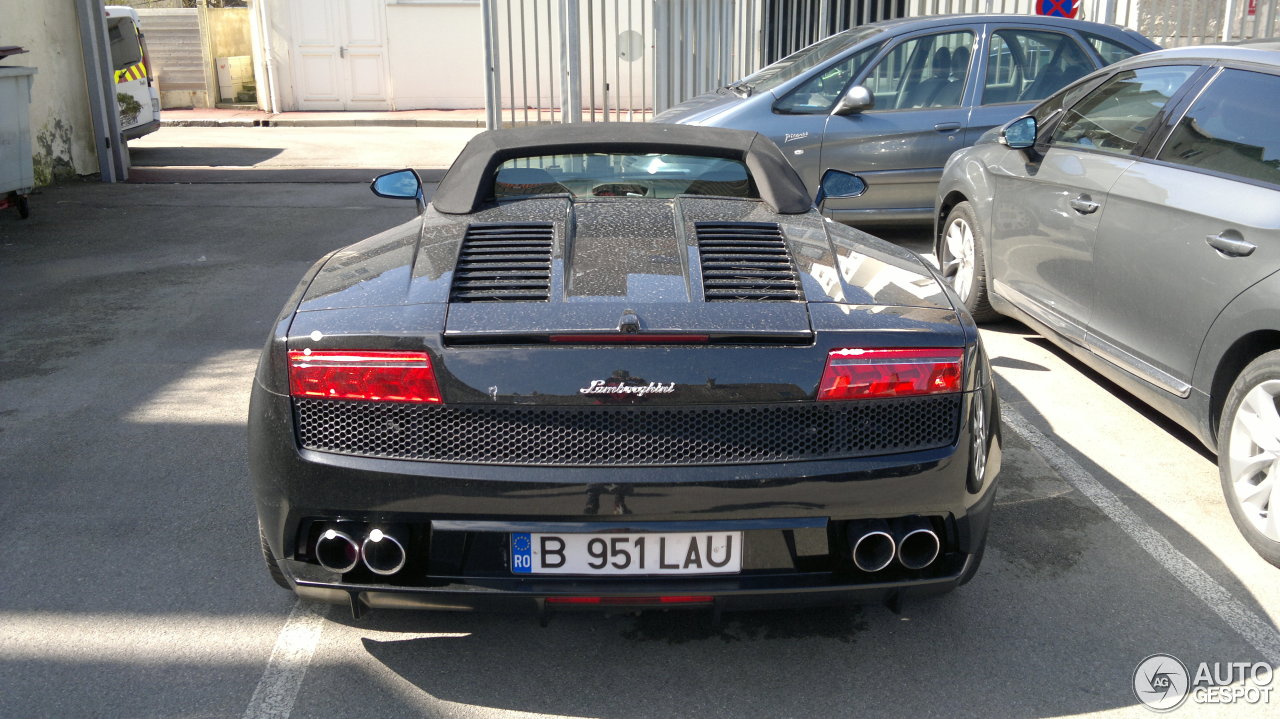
(1134, 219)
(892, 100)
(137, 91)
(621, 368)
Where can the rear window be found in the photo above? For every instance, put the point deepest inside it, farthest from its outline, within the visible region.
(1230, 129)
(125, 51)
(1111, 51)
(623, 175)
(801, 61)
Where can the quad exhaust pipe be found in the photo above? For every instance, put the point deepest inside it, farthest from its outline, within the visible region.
(918, 544)
(338, 551)
(875, 543)
(382, 553)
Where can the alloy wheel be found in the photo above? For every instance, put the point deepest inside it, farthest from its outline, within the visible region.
(958, 266)
(1253, 458)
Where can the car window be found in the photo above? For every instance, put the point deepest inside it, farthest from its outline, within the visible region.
(124, 43)
(1229, 130)
(1026, 65)
(819, 93)
(1048, 110)
(927, 71)
(1114, 117)
(622, 175)
(801, 61)
(1110, 50)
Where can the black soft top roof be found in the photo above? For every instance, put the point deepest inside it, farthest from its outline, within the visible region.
(469, 182)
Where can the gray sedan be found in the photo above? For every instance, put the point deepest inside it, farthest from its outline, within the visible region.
(892, 100)
(1134, 220)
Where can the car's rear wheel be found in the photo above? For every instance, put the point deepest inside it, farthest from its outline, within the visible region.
(272, 565)
(963, 262)
(1249, 454)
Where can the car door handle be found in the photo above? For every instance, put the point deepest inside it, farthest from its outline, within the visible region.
(1231, 246)
(1084, 205)
(947, 126)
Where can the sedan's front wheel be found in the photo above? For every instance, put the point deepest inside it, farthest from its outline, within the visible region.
(963, 263)
(1249, 454)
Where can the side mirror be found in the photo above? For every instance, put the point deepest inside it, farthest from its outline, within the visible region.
(839, 184)
(398, 185)
(1019, 134)
(857, 99)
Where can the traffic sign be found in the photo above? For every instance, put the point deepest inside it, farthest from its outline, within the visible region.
(1057, 8)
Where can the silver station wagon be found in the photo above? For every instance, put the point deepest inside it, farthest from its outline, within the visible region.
(892, 100)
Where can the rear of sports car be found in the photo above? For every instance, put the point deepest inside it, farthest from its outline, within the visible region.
(624, 403)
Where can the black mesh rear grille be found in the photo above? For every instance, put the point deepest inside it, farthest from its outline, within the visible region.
(745, 261)
(504, 262)
(614, 436)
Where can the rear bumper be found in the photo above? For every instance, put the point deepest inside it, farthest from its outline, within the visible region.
(539, 600)
(455, 521)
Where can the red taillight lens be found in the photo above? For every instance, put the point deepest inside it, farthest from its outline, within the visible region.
(873, 373)
(371, 375)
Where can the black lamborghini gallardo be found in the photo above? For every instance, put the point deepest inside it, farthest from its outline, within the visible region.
(622, 367)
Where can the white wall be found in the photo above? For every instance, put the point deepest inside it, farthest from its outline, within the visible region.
(435, 52)
(62, 137)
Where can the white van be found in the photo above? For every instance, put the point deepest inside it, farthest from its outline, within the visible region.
(137, 94)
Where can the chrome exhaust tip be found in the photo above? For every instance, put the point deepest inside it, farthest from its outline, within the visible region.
(337, 551)
(382, 553)
(872, 545)
(918, 544)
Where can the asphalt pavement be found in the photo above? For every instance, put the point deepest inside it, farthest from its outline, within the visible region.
(133, 586)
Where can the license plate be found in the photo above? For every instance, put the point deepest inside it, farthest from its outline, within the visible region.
(623, 554)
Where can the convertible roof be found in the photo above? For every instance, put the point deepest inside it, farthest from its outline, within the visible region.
(469, 182)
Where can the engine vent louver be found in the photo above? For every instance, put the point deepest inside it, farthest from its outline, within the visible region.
(503, 263)
(745, 261)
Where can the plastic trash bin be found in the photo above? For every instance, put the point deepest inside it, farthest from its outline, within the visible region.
(17, 176)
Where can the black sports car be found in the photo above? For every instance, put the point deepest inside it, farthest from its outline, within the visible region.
(622, 368)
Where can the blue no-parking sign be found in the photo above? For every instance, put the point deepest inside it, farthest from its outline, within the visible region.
(1057, 8)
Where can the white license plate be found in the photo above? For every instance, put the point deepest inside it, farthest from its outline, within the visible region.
(622, 554)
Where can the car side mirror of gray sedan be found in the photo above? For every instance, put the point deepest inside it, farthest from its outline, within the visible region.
(857, 99)
(1019, 134)
(838, 183)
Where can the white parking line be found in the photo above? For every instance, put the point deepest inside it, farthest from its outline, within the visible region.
(278, 688)
(1254, 629)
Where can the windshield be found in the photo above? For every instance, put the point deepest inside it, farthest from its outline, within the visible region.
(623, 175)
(798, 62)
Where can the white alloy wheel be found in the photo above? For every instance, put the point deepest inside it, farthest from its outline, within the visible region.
(979, 440)
(1252, 458)
(959, 264)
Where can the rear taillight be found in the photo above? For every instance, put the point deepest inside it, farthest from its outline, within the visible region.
(874, 373)
(370, 375)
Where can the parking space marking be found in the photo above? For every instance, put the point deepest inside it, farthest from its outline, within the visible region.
(287, 667)
(1254, 629)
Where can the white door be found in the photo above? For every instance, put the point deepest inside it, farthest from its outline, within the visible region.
(339, 54)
